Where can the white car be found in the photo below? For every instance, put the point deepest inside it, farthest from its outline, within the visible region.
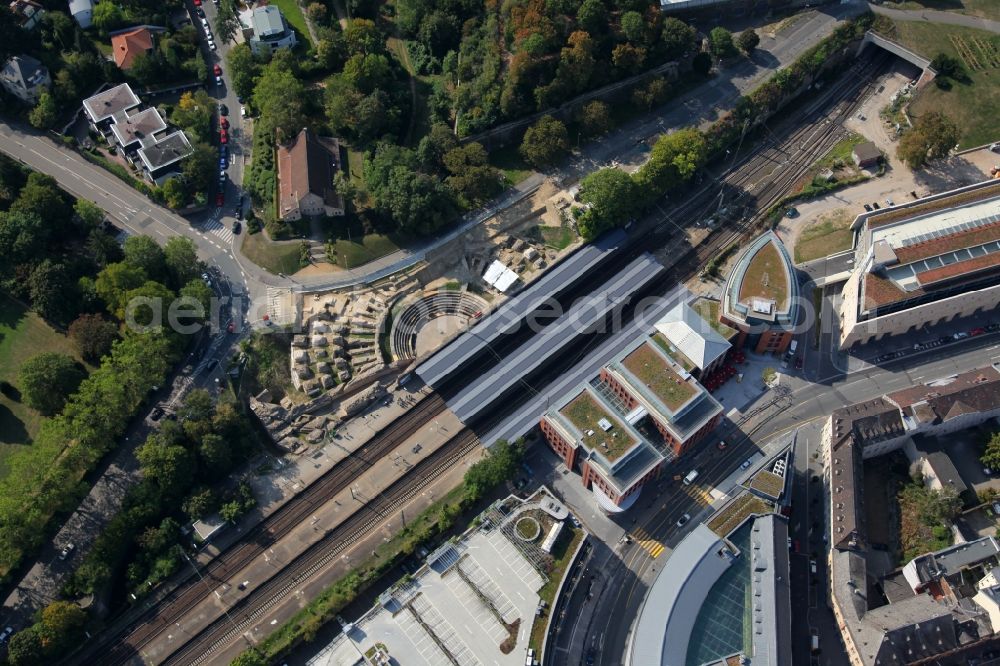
(682, 521)
(6, 634)
(243, 111)
(218, 80)
(746, 463)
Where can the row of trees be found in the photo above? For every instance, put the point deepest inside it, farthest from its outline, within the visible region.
(180, 462)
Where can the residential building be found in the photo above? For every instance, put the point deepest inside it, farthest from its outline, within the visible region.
(719, 600)
(306, 169)
(266, 30)
(866, 155)
(924, 610)
(129, 43)
(142, 135)
(691, 341)
(922, 263)
(28, 13)
(82, 12)
(761, 296)
(25, 78)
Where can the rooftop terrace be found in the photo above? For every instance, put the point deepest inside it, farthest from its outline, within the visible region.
(765, 278)
(652, 370)
(586, 414)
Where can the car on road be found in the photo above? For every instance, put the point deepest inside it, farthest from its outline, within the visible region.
(220, 199)
(197, 3)
(995, 147)
(67, 550)
(721, 445)
(992, 327)
(224, 123)
(211, 45)
(888, 202)
(875, 205)
(200, 12)
(204, 23)
(223, 136)
(243, 111)
(590, 658)
(211, 365)
(236, 228)
(791, 213)
(682, 521)
(223, 110)
(216, 69)
(576, 522)
(977, 331)
(798, 362)
(868, 208)
(6, 634)
(156, 414)
(796, 546)
(812, 565)
(961, 335)
(230, 327)
(746, 463)
(207, 279)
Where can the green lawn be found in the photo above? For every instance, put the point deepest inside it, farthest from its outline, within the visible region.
(983, 8)
(585, 414)
(829, 234)
(23, 334)
(972, 105)
(655, 373)
(275, 257)
(558, 238)
(509, 161)
(351, 254)
(709, 311)
(293, 14)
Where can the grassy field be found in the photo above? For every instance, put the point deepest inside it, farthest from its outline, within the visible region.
(972, 104)
(23, 334)
(983, 8)
(509, 161)
(293, 14)
(351, 254)
(558, 238)
(280, 257)
(829, 234)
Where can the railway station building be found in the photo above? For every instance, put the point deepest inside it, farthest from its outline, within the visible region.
(922, 263)
(761, 296)
(624, 426)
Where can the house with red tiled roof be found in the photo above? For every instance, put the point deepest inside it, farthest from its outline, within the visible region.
(129, 43)
(923, 262)
(306, 169)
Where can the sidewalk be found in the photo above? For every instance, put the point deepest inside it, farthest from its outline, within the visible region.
(935, 16)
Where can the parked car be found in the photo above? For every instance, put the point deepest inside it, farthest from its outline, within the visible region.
(224, 123)
(977, 331)
(682, 521)
(200, 12)
(868, 208)
(67, 551)
(888, 202)
(722, 445)
(211, 45)
(197, 3)
(220, 199)
(223, 136)
(798, 362)
(230, 327)
(236, 227)
(156, 414)
(243, 111)
(961, 335)
(875, 205)
(216, 69)
(791, 212)
(211, 365)
(812, 565)
(995, 147)
(223, 110)
(6, 634)
(746, 463)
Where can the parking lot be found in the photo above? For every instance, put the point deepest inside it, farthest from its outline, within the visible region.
(459, 609)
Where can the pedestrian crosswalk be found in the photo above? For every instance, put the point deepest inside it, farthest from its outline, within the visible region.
(697, 494)
(224, 233)
(646, 541)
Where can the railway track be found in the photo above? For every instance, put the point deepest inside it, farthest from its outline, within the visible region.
(244, 613)
(814, 140)
(121, 646)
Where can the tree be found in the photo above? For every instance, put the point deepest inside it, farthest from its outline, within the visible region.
(545, 142)
(472, 178)
(593, 16)
(61, 626)
(227, 23)
(366, 72)
(107, 16)
(439, 32)
(991, 454)
(92, 335)
(433, 146)
(948, 69)
(199, 168)
(25, 647)
(89, 214)
(748, 41)
(45, 113)
(193, 113)
(720, 42)
(47, 380)
(279, 97)
(613, 197)
(628, 58)
(170, 466)
(362, 37)
(215, 453)
(653, 94)
(148, 305)
(595, 118)
(41, 195)
(102, 248)
(115, 281)
(242, 69)
(673, 160)
(174, 192)
(200, 503)
(316, 11)
(51, 289)
(180, 256)
(678, 38)
(501, 464)
(932, 136)
(145, 253)
(417, 202)
(250, 658)
(634, 27)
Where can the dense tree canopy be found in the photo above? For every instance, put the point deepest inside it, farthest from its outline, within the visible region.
(47, 380)
(612, 197)
(545, 142)
(933, 135)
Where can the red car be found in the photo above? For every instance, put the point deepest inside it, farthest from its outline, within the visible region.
(217, 70)
(224, 122)
(220, 199)
(977, 331)
(197, 3)
(230, 327)
(223, 137)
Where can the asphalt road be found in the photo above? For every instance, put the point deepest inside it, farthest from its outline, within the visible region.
(629, 569)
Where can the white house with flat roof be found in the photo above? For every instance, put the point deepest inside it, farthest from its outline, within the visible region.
(266, 30)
